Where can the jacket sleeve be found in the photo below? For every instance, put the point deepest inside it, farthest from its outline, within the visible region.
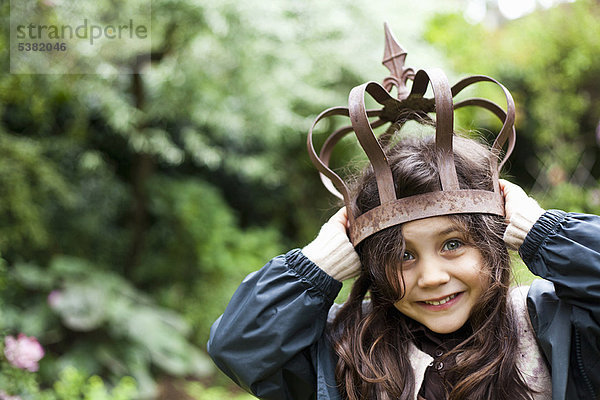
(564, 249)
(263, 339)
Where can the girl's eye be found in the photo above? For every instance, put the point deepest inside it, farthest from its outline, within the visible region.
(451, 245)
(407, 256)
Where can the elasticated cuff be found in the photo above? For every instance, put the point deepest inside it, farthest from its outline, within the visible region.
(545, 225)
(309, 271)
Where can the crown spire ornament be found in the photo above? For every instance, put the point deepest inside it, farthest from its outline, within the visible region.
(451, 199)
(394, 57)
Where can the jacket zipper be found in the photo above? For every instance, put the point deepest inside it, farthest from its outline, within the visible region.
(586, 379)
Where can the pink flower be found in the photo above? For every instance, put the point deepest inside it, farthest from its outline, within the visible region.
(53, 299)
(4, 396)
(23, 352)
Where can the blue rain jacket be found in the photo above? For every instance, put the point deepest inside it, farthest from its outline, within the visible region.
(270, 338)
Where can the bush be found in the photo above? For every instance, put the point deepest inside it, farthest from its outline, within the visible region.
(99, 323)
(72, 384)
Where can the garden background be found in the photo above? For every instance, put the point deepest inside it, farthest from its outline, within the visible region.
(133, 204)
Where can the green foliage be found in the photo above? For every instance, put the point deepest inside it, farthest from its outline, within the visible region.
(31, 180)
(123, 329)
(213, 255)
(74, 385)
(91, 225)
(547, 60)
(567, 196)
(15, 381)
(71, 385)
(200, 392)
(521, 274)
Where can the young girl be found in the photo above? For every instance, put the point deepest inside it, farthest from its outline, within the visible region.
(431, 315)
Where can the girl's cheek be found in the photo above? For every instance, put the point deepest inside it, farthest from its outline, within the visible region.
(406, 280)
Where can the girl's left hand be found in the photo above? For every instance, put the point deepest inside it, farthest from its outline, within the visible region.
(521, 212)
(516, 201)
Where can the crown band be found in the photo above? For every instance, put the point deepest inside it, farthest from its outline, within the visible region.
(424, 206)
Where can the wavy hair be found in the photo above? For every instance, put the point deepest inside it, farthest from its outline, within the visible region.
(372, 342)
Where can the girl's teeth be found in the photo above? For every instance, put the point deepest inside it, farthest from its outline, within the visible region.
(443, 301)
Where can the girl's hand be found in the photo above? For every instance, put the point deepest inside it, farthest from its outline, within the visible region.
(332, 251)
(340, 221)
(517, 201)
(521, 213)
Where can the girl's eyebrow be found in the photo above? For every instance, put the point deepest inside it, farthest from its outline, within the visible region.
(451, 229)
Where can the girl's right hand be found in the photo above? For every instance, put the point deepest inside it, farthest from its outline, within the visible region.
(340, 221)
(332, 251)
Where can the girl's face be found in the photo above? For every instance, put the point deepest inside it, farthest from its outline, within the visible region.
(443, 274)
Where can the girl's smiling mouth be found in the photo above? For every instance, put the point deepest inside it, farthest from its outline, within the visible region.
(441, 303)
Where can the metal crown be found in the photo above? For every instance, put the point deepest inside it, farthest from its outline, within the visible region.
(451, 199)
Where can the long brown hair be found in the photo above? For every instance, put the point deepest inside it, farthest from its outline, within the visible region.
(372, 341)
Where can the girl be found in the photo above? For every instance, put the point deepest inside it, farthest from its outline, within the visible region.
(431, 315)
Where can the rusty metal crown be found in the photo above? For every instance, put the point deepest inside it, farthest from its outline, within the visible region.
(451, 199)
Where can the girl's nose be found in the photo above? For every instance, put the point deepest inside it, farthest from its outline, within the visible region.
(432, 273)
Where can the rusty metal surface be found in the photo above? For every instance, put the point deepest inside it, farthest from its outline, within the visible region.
(421, 206)
(451, 200)
(394, 58)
